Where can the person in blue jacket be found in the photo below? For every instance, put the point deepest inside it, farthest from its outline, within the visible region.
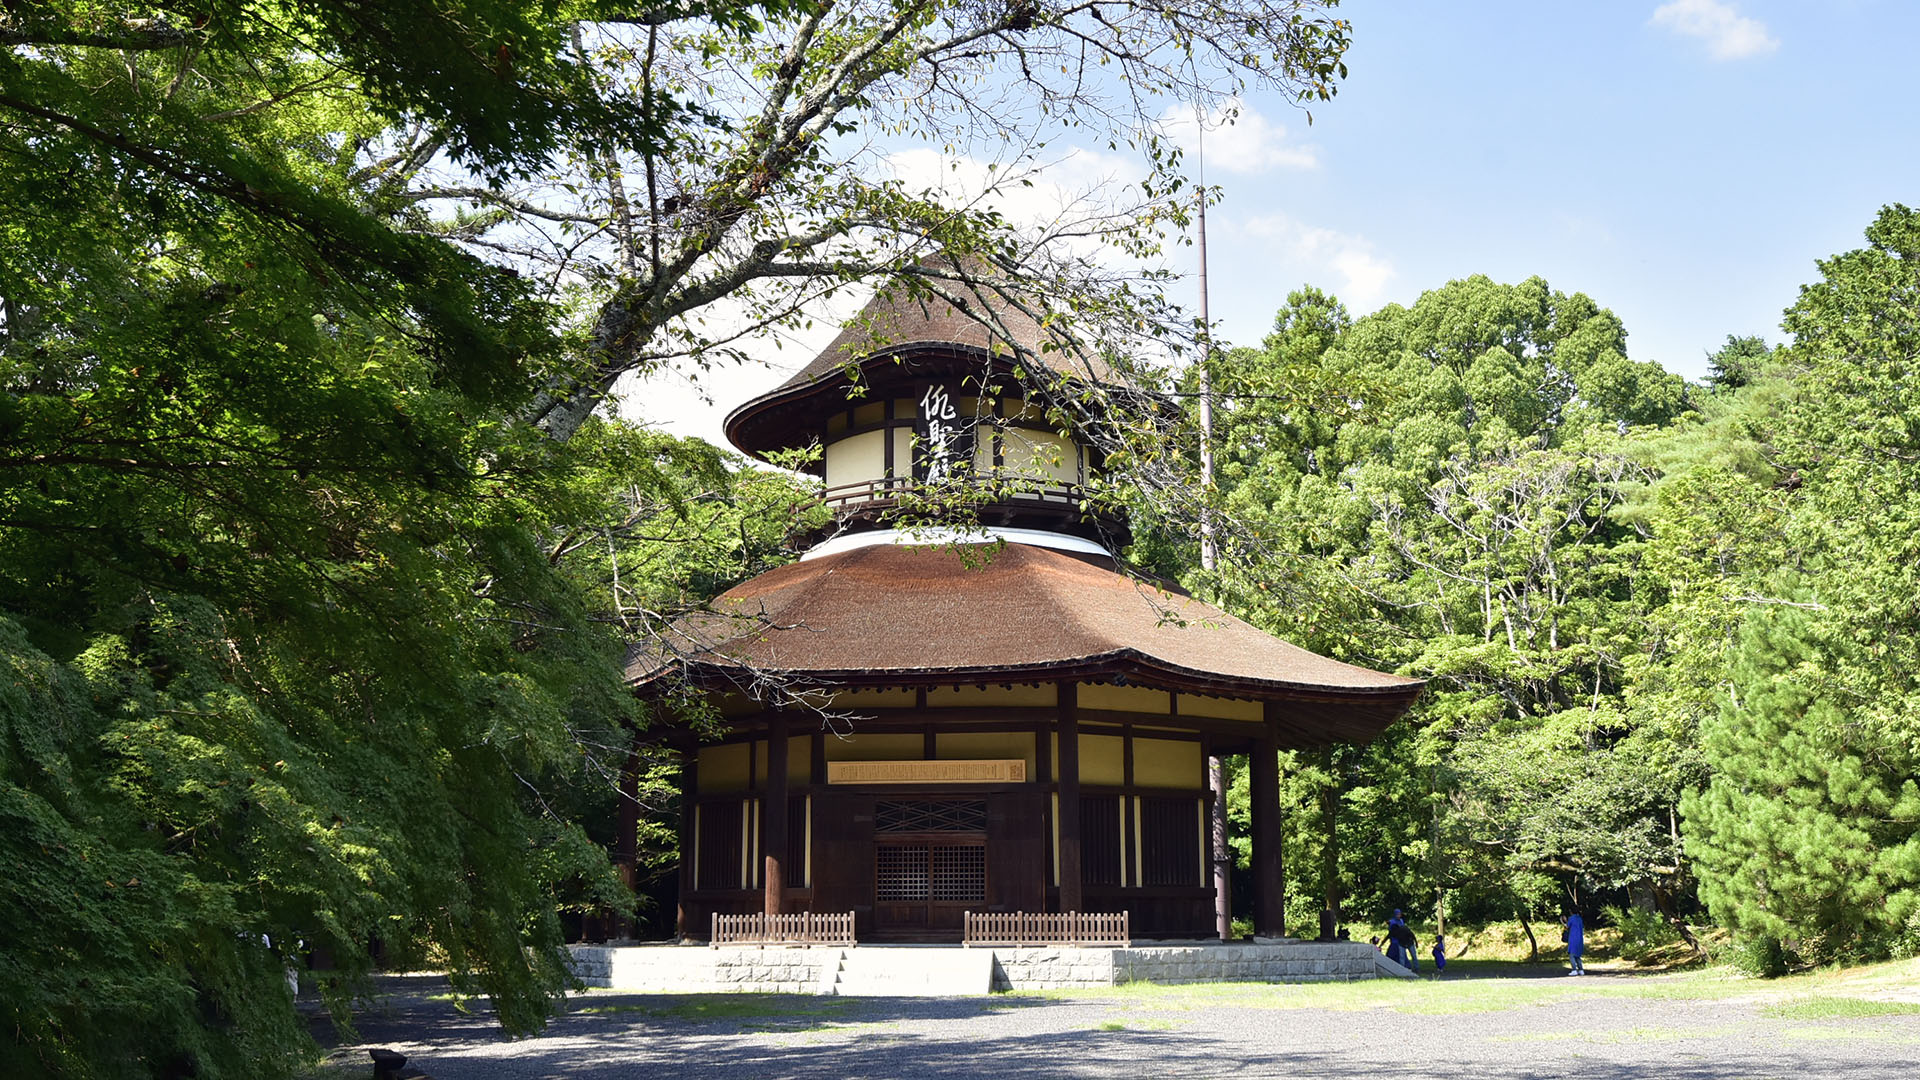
(1576, 936)
(1439, 952)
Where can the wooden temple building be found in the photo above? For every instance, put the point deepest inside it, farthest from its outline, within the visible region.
(1012, 722)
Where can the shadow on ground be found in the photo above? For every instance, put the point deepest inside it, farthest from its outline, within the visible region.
(604, 1035)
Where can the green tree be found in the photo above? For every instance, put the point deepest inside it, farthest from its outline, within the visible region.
(1816, 742)
(1809, 831)
(1439, 490)
(289, 664)
(1736, 363)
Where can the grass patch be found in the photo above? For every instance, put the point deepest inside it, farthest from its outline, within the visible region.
(1849, 1034)
(1507, 942)
(1832, 1008)
(1475, 987)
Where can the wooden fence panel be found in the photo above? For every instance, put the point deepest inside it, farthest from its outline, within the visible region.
(801, 928)
(1072, 928)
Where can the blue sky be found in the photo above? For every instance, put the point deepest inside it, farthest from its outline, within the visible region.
(1683, 162)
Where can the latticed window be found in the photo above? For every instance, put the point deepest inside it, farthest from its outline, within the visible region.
(913, 872)
(925, 816)
(957, 873)
(1100, 839)
(1169, 841)
(900, 872)
(796, 868)
(718, 865)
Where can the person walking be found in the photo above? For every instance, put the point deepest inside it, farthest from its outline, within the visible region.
(1404, 942)
(1439, 953)
(1575, 936)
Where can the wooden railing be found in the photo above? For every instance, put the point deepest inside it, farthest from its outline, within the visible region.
(1060, 928)
(803, 928)
(1003, 488)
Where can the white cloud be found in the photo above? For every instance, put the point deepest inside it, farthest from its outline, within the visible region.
(1239, 140)
(1728, 34)
(1312, 251)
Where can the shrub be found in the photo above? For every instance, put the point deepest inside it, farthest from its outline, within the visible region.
(1642, 931)
(1763, 956)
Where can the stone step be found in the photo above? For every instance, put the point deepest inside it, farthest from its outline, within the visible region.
(881, 971)
(1384, 968)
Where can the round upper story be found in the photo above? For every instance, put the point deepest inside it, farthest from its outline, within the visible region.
(915, 397)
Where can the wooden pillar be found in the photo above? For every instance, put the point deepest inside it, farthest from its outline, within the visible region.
(626, 833)
(688, 921)
(1330, 840)
(1269, 878)
(1069, 766)
(773, 814)
(1221, 857)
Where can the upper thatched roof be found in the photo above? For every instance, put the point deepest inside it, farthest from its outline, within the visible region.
(897, 326)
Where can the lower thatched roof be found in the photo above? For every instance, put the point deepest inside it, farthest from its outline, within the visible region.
(901, 616)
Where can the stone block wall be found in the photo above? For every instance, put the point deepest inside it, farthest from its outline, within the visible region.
(1291, 962)
(694, 969)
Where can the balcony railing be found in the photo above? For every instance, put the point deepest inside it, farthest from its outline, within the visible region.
(1000, 489)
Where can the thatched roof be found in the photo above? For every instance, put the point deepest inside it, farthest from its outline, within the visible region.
(888, 614)
(898, 327)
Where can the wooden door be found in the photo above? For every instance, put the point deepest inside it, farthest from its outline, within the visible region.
(930, 866)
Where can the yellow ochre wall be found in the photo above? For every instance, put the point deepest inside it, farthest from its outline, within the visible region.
(1220, 708)
(1017, 696)
(986, 746)
(723, 768)
(1102, 760)
(1025, 452)
(856, 460)
(874, 747)
(1124, 698)
(1166, 763)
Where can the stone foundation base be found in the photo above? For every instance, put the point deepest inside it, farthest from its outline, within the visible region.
(1277, 962)
(692, 969)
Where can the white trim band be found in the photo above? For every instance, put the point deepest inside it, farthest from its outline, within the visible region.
(935, 535)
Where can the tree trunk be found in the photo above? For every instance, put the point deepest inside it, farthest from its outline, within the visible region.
(1533, 945)
(1664, 901)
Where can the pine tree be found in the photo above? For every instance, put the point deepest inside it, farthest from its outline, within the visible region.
(1809, 831)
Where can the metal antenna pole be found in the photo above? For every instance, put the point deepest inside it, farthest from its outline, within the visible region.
(1209, 554)
(1216, 771)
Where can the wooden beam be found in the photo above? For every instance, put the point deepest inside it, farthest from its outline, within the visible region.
(773, 816)
(1129, 861)
(686, 918)
(1269, 878)
(1069, 766)
(909, 720)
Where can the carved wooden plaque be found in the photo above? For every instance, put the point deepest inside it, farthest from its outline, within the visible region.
(1008, 771)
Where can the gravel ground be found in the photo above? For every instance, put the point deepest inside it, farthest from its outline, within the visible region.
(1237, 1031)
